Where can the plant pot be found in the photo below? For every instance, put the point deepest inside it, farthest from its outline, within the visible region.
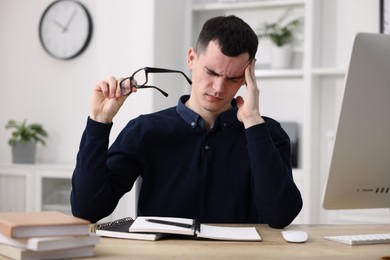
(24, 152)
(281, 56)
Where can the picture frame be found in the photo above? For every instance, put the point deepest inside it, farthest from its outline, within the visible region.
(385, 16)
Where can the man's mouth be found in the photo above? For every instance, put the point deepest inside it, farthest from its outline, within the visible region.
(213, 98)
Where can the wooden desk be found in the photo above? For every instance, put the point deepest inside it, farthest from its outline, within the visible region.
(273, 246)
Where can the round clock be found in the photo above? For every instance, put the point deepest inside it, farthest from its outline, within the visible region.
(65, 29)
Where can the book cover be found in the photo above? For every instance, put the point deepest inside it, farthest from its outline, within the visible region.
(24, 254)
(50, 243)
(120, 229)
(44, 223)
(189, 227)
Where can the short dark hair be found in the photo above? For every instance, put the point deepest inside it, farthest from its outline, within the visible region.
(233, 35)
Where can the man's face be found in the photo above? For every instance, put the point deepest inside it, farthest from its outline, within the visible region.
(216, 78)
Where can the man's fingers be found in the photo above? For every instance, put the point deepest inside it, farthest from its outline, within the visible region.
(102, 86)
(250, 77)
(239, 101)
(112, 86)
(118, 93)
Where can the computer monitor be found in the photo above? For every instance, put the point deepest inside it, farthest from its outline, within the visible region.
(359, 172)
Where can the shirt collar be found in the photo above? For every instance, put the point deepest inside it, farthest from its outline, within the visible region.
(193, 119)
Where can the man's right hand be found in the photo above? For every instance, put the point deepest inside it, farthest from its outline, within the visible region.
(106, 100)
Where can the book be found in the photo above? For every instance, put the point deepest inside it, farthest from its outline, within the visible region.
(17, 253)
(190, 227)
(120, 229)
(50, 243)
(44, 223)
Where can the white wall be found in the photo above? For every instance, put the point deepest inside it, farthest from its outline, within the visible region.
(128, 34)
(36, 87)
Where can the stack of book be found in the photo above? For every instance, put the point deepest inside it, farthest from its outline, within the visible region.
(45, 235)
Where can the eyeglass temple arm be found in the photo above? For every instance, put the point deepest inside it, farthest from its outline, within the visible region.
(148, 86)
(161, 70)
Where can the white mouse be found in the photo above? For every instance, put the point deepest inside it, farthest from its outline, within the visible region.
(295, 236)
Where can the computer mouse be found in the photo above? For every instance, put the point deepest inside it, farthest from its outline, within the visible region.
(295, 236)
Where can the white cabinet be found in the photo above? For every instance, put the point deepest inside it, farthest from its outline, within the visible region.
(46, 187)
(34, 187)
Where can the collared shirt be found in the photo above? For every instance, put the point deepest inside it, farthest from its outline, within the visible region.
(227, 174)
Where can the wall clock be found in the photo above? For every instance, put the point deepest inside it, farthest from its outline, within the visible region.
(65, 29)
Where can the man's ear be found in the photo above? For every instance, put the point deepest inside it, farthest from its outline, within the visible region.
(191, 58)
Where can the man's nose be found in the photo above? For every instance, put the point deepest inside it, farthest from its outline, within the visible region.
(218, 84)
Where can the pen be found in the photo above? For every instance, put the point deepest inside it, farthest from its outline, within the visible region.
(170, 223)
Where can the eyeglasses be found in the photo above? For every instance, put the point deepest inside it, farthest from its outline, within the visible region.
(140, 78)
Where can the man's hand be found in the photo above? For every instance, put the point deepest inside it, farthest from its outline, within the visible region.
(248, 108)
(106, 100)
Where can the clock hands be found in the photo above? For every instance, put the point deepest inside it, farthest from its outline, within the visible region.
(65, 29)
(59, 24)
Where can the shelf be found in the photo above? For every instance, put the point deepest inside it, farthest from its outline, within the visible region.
(283, 73)
(245, 5)
(329, 72)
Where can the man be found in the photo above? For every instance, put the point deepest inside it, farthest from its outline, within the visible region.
(212, 157)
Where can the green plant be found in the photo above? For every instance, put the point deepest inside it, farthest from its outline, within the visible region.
(280, 32)
(26, 132)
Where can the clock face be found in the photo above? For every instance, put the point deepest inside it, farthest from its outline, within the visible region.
(65, 29)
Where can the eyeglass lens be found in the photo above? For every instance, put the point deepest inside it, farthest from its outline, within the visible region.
(140, 78)
(126, 86)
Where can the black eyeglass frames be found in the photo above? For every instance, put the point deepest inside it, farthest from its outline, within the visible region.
(139, 79)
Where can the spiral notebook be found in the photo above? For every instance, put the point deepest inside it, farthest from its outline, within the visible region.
(120, 229)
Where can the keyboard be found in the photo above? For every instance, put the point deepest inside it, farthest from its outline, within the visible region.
(366, 239)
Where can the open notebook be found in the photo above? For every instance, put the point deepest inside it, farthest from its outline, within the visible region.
(190, 227)
(154, 228)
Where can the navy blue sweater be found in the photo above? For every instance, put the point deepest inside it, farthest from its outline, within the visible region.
(228, 174)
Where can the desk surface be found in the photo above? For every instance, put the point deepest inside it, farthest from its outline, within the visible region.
(272, 246)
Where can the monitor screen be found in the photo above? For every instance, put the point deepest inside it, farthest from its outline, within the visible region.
(359, 171)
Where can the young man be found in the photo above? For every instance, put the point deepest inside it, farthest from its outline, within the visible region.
(212, 157)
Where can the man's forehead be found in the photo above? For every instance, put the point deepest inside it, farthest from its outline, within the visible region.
(215, 60)
(236, 74)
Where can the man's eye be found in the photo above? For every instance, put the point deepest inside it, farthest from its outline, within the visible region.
(211, 73)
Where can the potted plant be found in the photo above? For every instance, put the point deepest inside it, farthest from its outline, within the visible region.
(24, 139)
(281, 34)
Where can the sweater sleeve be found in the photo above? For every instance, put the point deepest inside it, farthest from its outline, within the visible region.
(277, 198)
(96, 189)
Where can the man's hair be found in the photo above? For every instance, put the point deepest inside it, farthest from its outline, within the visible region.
(233, 35)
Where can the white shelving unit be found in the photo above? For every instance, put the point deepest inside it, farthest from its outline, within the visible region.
(310, 92)
(281, 89)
